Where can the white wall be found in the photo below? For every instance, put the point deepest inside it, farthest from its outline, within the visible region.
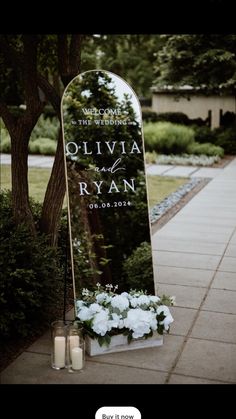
(197, 107)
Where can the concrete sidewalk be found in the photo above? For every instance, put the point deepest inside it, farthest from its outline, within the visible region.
(33, 160)
(183, 171)
(152, 169)
(195, 260)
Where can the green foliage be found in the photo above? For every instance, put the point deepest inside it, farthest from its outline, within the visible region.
(181, 118)
(204, 135)
(5, 141)
(228, 119)
(167, 138)
(5, 144)
(227, 140)
(130, 56)
(207, 61)
(174, 117)
(43, 146)
(206, 149)
(42, 140)
(45, 128)
(148, 115)
(138, 268)
(31, 278)
(150, 157)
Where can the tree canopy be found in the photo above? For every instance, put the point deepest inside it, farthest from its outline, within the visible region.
(204, 60)
(34, 69)
(130, 56)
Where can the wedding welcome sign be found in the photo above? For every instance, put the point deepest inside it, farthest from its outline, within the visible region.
(106, 185)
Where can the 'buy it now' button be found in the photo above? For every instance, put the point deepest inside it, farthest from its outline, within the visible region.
(118, 412)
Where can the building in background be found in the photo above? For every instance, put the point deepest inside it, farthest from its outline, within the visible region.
(193, 102)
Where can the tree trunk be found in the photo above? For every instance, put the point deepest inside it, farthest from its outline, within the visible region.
(53, 201)
(19, 171)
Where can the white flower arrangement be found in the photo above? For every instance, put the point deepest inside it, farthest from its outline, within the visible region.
(103, 313)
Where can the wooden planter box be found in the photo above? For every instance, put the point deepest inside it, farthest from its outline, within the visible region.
(119, 343)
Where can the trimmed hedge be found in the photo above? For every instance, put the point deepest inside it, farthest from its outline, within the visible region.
(181, 118)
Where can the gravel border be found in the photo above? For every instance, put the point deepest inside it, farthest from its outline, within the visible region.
(170, 213)
(170, 201)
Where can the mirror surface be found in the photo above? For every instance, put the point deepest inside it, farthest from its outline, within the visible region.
(106, 184)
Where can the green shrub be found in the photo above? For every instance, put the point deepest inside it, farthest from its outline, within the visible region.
(5, 141)
(199, 122)
(148, 115)
(227, 140)
(43, 146)
(150, 158)
(45, 128)
(167, 138)
(204, 135)
(138, 268)
(228, 119)
(5, 144)
(206, 149)
(31, 283)
(174, 118)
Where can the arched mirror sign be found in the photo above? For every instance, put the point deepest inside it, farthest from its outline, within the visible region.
(106, 184)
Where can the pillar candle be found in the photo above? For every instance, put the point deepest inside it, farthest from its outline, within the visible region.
(74, 343)
(59, 351)
(77, 358)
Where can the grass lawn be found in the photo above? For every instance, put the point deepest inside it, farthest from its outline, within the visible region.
(159, 186)
(38, 180)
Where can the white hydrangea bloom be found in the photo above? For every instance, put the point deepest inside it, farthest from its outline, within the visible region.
(100, 298)
(134, 302)
(165, 310)
(125, 294)
(136, 311)
(143, 299)
(121, 324)
(154, 299)
(108, 298)
(85, 314)
(114, 322)
(100, 324)
(95, 308)
(80, 303)
(167, 321)
(140, 321)
(120, 302)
